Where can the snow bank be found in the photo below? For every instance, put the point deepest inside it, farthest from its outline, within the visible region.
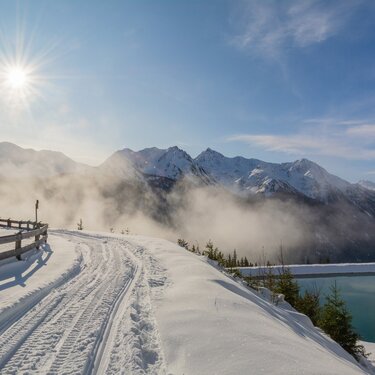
(370, 348)
(211, 324)
(316, 270)
(24, 283)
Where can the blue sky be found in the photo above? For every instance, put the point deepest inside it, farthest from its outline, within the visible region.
(274, 80)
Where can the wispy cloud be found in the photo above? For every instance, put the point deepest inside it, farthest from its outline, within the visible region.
(334, 121)
(364, 131)
(267, 27)
(333, 143)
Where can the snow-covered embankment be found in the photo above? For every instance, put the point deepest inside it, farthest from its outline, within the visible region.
(211, 324)
(142, 305)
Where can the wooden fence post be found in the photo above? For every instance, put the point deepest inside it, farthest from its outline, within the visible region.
(18, 245)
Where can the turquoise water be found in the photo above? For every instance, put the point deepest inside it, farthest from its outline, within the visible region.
(359, 295)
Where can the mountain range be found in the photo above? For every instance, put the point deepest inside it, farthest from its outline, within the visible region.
(144, 180)
(244, 177)
(237, 174)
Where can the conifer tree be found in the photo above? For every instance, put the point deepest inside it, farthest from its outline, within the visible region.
(181, 242)
(80, 225)
(336, 321)
(286, 285)
(309, 305)
(209, 249)
(229, 261)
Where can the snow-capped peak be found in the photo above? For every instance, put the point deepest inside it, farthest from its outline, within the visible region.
(172, 163)
(311, 179)
(241, 174)
(369, 185)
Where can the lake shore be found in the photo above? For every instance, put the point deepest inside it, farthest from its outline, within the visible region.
(314, 270)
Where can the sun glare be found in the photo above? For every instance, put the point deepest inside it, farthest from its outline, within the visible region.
(18, 84)
(25, 75)
(16, 78)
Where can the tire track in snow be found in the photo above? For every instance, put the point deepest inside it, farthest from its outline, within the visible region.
(76, 328)
(83, 305)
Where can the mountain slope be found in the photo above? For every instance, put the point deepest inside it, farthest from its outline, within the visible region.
(367, 184)
(18, 162)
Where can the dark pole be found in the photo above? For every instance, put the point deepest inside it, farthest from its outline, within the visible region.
(36, 211)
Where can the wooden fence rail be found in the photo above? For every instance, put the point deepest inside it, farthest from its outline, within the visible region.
(26, 229)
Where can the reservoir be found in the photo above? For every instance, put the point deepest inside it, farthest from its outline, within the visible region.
(359, 295)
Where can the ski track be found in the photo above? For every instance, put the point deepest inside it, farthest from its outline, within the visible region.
(99, 322)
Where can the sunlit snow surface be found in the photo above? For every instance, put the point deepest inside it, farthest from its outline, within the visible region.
(129, 304)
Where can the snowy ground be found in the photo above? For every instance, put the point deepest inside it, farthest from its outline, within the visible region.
(135, 305)
(23, 282)
(370, 348)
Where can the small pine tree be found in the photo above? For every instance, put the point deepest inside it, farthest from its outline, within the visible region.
(229, 261)
(309, 305)
(181, 242)
(269, 280)
(209, 249)
(286, 285)
(197, 250)
(80, 225)
(234, 259)
(336, 321)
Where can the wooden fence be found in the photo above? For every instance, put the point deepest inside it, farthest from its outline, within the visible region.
(26, 229)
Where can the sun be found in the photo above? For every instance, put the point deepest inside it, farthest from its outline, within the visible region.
(16, 78)
(18, 84)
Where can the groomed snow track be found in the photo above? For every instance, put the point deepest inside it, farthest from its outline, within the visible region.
(98, 322)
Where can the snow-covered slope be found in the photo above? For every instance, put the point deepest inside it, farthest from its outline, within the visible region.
(147, 306)
(18, 162)
(241, 174)
(210, 324)
(367, 184)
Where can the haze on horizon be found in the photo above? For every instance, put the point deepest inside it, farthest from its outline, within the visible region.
(277, 81)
